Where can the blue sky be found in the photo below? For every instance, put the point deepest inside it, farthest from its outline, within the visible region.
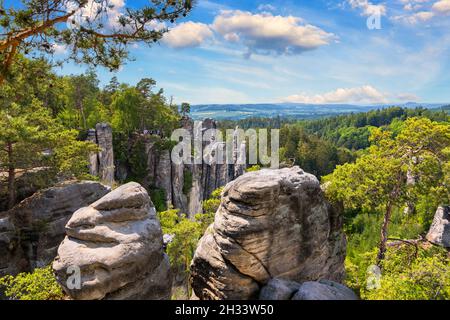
(322, 51)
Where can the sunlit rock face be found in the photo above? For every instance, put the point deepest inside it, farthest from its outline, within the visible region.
(439, 233)
(116, 244)
(271, 224)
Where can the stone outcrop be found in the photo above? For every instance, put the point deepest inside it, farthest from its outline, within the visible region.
(116, 243)
(27, 183)
(162, 173)
(270, 224)
(324, 290)
(102, 163)
(179, 198)
(31, 232)
(439, 233)
(163, 179)
(278, 289)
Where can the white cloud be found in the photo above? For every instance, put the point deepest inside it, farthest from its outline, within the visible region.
(428, 10)
(410, 97)
(415, 18)
(59, 49)
(265, 33)
(367, 7)
(108, 15)
(442, 7)
(266, 8)
(364, 94)
(187, 34)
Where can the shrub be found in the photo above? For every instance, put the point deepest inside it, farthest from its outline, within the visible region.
(39, 285)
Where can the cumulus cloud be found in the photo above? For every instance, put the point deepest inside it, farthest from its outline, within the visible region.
(422, 11)
(187, 34)
(364, 94)
(368, 8)
(442, 7)
(265, 33)
(415, 18)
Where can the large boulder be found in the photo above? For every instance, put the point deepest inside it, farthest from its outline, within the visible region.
(278, 289)
(116, 244)
(31, 232)
(324, 290)
(270, 224)
(439, 233)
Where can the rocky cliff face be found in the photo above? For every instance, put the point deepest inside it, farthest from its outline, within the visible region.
(31, 232)
(271, 224)
(162, 173)
(439, 232)
(102, 163)
(117, 245)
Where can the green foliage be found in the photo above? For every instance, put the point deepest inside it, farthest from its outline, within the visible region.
(158, 197)
(31, 137)
(187, 232)
(210, 207)
(39, 27)
(39, 285)
(411, 273)
(185, 109)
(380, 176)
(187, 182)
(138, 160)
(254, 168)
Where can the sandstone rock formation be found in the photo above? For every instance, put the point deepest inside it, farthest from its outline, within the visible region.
(31, 232)
(271, 224)
(102, 164)
(278, 289)
(163, 179)
(439, 233)
(117, 245)
(162, 173)
(324, 290)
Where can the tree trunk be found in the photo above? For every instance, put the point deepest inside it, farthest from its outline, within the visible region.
(11, 178)
(384, 235)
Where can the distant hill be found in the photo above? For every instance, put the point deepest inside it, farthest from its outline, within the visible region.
(286, 110)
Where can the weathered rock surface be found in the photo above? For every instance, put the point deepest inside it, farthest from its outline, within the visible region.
(102, 163)
(162, 173)
(278, 289)
(324, 290)
(163, 179)
(8, 246)
(31, 232)
(117, 244)
(271, 224)
(439, 233)
(179, 198)
(27, 183)
(106, 154)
